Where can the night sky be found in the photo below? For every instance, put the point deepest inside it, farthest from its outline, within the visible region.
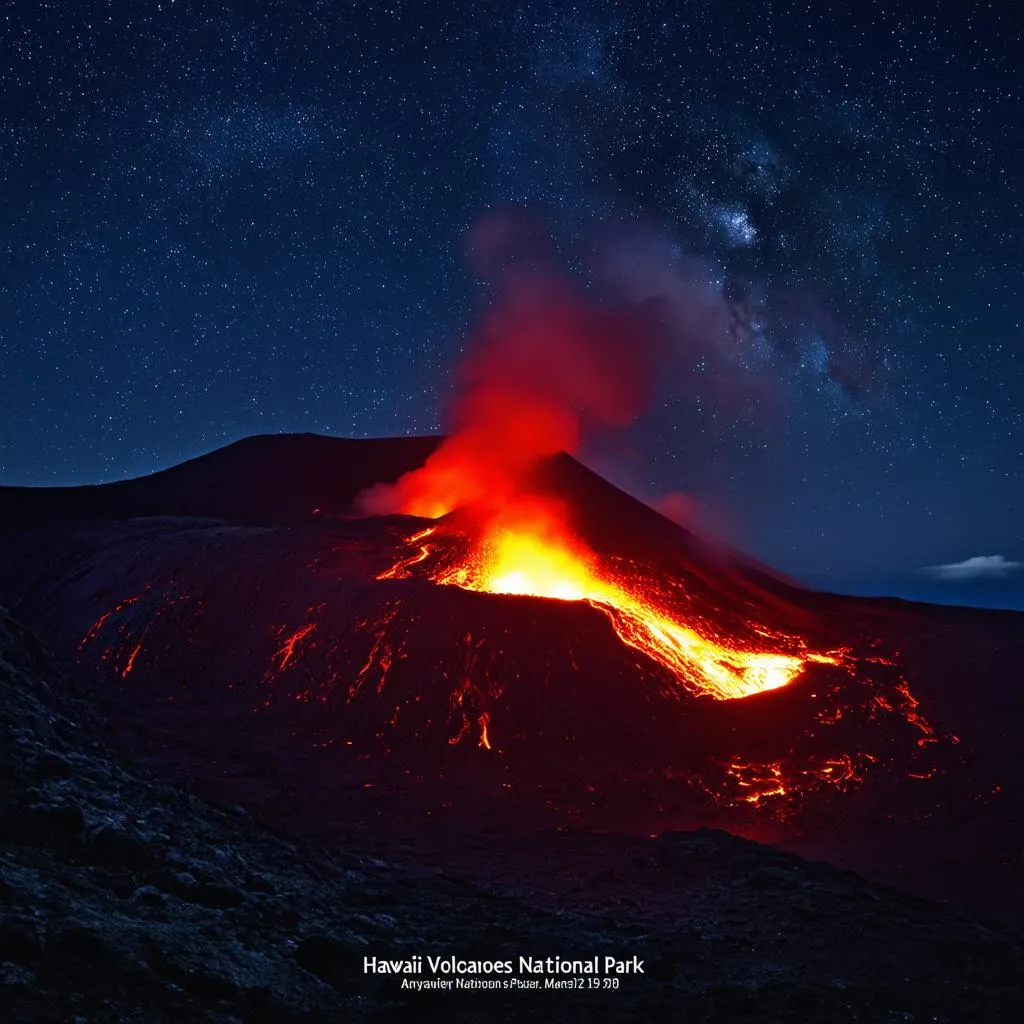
(221, 219)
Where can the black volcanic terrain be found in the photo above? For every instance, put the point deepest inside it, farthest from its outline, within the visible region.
(231, 626)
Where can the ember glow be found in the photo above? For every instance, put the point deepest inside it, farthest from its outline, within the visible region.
(778, 783)
(758, 782)
(287, 650)
(529, 549)
(131, 660)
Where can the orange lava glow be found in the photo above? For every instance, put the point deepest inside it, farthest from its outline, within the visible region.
(287, 650)
(528, 549)
(95, 628)
(758, 782)
(776, 783)
(131, 660)
(400, 570)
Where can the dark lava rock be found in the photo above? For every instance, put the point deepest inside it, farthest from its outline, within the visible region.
(19, 940)
(79, 940)
(209, 985)
(210, 894)
(118, 847)
(50, 765)
(330, 959)
(42, 823)
(149, 894)
(236, 924)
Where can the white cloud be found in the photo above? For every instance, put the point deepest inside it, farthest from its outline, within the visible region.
(980, 567)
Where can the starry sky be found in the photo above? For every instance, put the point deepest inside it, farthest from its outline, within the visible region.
(235, 218)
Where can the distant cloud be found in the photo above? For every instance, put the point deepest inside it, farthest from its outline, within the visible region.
(980, 567)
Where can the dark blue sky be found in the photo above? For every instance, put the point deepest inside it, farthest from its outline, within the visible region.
(226, 219)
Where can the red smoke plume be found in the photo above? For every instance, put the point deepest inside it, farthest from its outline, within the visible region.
(546, 367)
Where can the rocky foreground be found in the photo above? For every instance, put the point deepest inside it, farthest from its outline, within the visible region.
(125, 898)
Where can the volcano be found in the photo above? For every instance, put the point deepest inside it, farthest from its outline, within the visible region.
(565, 658)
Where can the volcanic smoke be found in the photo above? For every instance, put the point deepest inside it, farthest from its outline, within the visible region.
(547, 368)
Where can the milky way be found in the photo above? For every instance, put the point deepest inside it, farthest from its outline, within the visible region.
(231, 220)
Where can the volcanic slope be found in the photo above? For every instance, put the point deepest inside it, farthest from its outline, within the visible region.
(125, 897)
(355, 678)
(266, 477)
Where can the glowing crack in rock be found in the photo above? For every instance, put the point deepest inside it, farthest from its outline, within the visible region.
(758, 781)
(779, 783)
(131, 660)
(94, 630)
(400, 570)
(112, 650)
(286, 652)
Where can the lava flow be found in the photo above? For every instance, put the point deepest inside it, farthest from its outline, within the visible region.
(527, 548)
(548, 366)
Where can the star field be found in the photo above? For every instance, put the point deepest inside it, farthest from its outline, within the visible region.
(220, 220)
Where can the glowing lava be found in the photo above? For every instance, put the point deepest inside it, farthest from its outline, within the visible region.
(400, 570)
(528, 549)
(287, 650)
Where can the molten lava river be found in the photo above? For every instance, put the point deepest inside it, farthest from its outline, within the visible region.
(528, 549)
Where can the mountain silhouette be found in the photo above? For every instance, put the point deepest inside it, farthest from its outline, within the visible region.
(238, 621)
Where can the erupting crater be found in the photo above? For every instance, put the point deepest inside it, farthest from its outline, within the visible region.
(528, 548)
